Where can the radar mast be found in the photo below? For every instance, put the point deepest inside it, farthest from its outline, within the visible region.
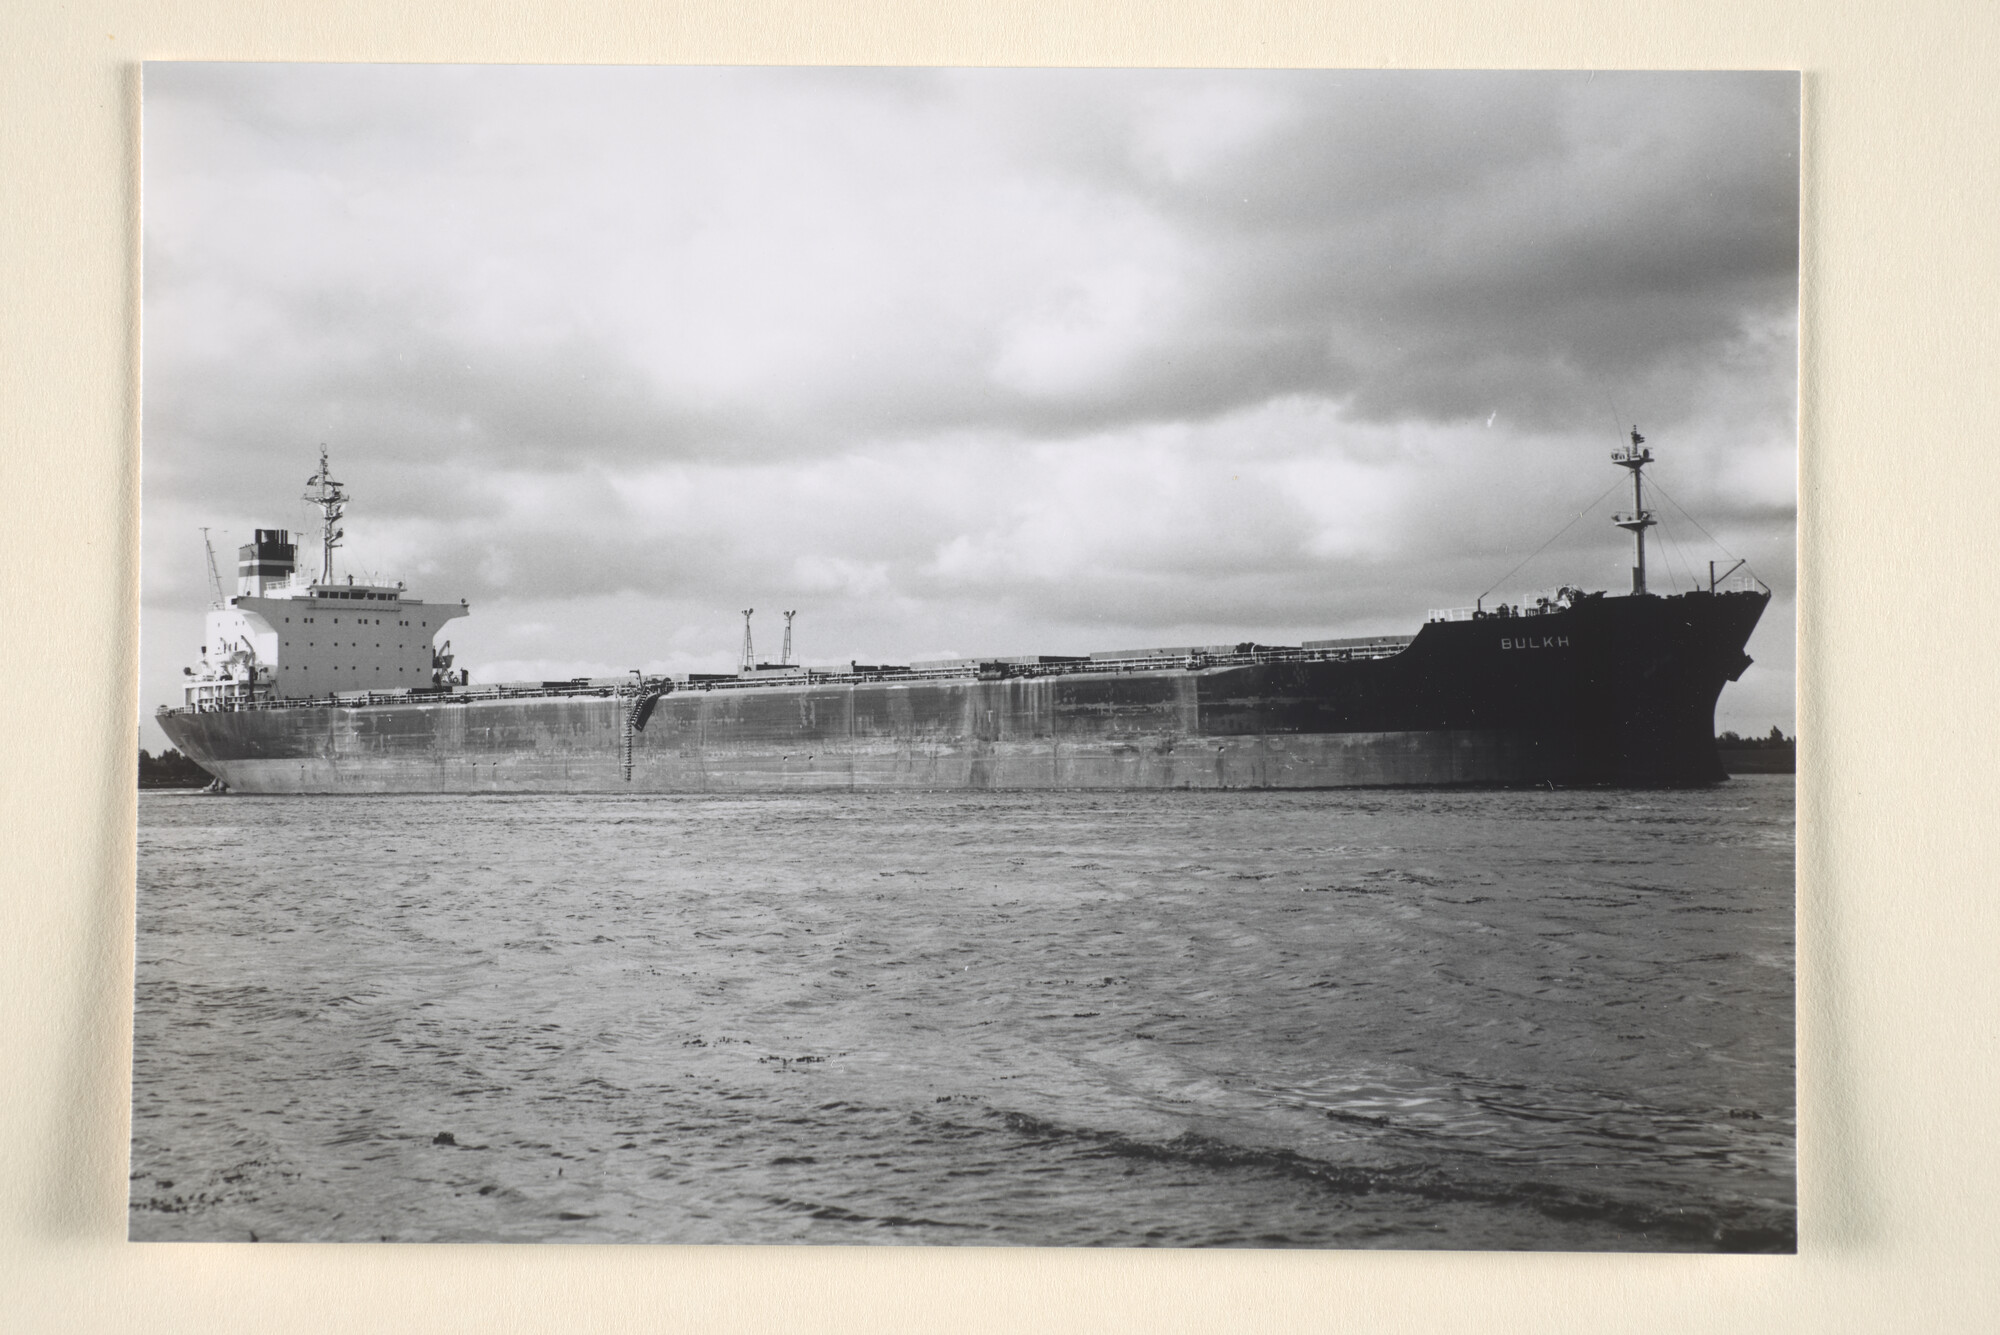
(332, 502)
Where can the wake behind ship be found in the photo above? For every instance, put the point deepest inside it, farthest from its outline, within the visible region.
(315, 686)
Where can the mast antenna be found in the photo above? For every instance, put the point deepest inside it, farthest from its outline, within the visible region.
(1635, 458)
(785, 658)
(749, 658)
(332, 503)
(215, 598)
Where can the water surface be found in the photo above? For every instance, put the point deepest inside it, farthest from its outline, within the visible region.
(1500, 1019)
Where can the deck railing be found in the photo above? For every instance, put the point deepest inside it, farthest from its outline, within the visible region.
(971, 671)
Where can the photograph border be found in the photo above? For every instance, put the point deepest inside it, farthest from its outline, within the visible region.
(1896, 1177)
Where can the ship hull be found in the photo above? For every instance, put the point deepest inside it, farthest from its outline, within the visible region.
(1611, 691)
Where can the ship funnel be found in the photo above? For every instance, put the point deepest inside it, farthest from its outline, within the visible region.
(265, 563)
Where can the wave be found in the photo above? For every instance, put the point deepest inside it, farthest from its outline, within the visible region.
(1743, 1229)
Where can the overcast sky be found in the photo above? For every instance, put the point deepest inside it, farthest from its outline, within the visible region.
(964, 362)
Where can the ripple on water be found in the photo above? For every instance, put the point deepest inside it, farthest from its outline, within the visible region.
(1469, 1019)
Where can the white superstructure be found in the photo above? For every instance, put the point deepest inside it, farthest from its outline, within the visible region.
(287, 635)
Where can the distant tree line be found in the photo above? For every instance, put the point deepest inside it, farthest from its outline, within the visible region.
(171, 769)
(1774, 738)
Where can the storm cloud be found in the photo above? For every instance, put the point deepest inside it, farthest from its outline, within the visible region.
(965, 361)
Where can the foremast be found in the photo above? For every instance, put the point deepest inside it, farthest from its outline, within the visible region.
(1634, 458)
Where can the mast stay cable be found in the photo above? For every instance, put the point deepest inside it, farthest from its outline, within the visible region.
(1545, 546)
(1704, 532)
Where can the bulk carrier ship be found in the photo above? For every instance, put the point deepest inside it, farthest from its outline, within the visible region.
(309, 685)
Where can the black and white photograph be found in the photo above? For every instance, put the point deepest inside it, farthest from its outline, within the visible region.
(1009, 657)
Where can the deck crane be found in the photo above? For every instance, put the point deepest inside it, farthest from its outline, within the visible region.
(215, 598)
